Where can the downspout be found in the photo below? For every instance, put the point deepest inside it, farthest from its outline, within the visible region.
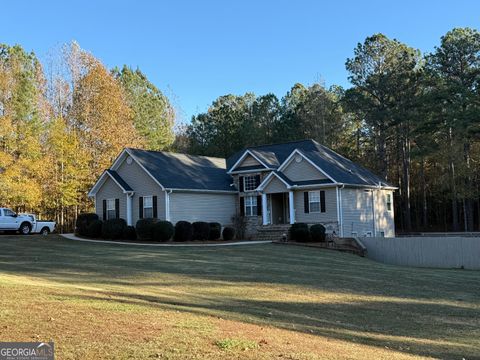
(341, 209)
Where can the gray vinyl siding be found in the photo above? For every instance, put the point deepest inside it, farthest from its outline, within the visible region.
(275, 186)
(384, 219)
(208, 207)
(110, 190)
(357, 211)
(143, 185)
(303, 170)
(329, 215)
(249, 161)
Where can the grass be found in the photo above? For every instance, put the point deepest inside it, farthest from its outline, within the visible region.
(102, 301)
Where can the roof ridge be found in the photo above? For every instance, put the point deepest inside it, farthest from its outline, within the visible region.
(279, 143)
(177, 153)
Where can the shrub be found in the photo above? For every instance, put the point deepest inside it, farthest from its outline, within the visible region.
(130, 233)
(240, 225)
(144, 228)
(82, 222)
(215, 231)
(317, 233)
(183, 231)
(94, 229)
(113, 229)
(201, 230)
(163, 231)
(228, 233)
(299, 232)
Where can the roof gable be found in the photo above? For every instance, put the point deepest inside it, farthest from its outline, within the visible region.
(117, 179)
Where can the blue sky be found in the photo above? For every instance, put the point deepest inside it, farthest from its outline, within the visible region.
(196, 51)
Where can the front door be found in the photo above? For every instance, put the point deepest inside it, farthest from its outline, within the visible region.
(279, 208)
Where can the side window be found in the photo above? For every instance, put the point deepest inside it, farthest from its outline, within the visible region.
(251, 206)
(389, 202)
(8, 212)
(148, 207)
(110, 209)
(314, 201)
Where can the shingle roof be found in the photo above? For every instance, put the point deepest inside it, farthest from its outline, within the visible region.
(119, 180)
(181, 171)
(341, 169)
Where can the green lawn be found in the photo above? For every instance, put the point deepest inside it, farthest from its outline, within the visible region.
(101, 301)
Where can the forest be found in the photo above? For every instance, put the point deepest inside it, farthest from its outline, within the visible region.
(411, 117)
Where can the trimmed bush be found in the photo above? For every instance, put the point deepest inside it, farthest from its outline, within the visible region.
(201, 230)
(228, 233)
(163, 231)
(215, 231)
(144, 228)
(94, 229)
(183, 231)
(130, 233)
(113, 229)
(299, 232)
(83, 221)
(317, 233)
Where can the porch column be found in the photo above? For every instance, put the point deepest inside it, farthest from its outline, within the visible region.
(264, 209)
(291, 207)
(129, 209)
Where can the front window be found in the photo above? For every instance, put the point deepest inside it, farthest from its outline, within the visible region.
(314, 201)
(111, 213)
(250, 183)
(251, 206)
(389, 202)
(148, 207)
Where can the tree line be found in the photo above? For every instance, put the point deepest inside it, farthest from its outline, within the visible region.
(412, 118)
(62, 124)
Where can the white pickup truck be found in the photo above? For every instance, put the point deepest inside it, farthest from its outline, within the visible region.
(24, 223)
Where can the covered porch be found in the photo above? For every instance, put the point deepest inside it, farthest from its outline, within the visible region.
(278, 200)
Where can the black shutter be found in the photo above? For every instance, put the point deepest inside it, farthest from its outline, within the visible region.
(242, 206)
(257, 181)
(104, 210)
(240, 183)
(117, 208)
(140, 207)
(155, 212)
(322, 201)
(259, 205)
(306, 204)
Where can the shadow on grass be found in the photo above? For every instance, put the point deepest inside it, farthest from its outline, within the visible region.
(414, 321)
(359, 322)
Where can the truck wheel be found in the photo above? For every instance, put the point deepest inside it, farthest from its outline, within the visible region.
(25, 228)
(45, 231)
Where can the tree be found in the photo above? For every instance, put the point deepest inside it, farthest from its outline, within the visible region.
(153, 116)
(384, 74)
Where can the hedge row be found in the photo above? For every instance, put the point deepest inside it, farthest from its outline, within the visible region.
(89, 225)
(302, 233)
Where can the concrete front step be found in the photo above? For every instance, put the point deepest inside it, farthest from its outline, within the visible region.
(272, 232)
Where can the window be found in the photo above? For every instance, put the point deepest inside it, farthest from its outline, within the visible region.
(389, 202)
(111, 213)
(148, 207)
(251, 208)
(316, 201)
(8, 212)
(250, 183)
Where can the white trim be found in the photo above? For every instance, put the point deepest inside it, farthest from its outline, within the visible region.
(248, 171)
(296, 151)
(167, 205)
(129, 209)
(265, 181)
(373, 212)
(291, 207)
(93, 191)
(247, 152)
(341, 211)
(231, 192)
(264, 209)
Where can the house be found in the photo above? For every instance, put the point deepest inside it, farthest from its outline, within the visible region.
(299, 181)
